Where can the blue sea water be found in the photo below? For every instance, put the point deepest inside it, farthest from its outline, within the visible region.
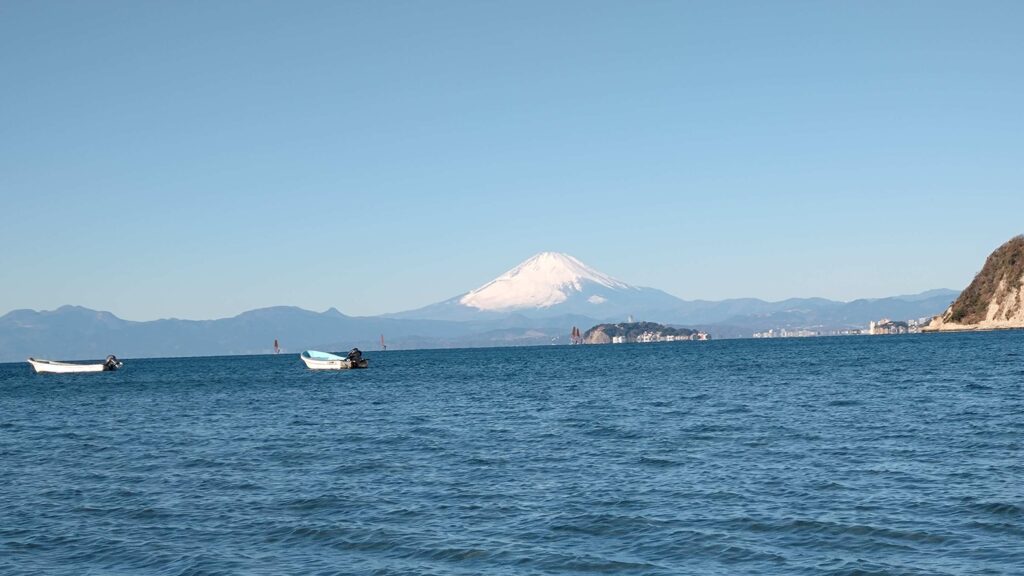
(884, 455)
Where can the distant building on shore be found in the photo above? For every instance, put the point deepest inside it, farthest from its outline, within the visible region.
(789, 333)
(887, 326)
(884, 326)
(807, 332)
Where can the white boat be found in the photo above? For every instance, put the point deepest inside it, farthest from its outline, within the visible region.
(316, 360)
(54, 367)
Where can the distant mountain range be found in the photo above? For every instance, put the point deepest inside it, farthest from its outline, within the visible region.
(537, 302)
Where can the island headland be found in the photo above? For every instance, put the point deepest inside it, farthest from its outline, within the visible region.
(630, 332)
(994, 300)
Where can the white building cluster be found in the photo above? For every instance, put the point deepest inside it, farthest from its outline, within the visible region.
(648, 336)
(887, 326)
(789, 333)
(883, 326)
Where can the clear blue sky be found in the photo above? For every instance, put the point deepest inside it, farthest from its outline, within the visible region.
(198, 159)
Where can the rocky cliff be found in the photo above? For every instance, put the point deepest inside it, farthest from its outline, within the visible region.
(995, 299)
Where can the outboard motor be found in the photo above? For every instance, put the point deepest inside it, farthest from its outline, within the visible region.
(111, 363)
(355, 355)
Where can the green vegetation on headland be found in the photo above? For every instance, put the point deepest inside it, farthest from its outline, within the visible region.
(995, 298)
(626, 332)
(1003, 270)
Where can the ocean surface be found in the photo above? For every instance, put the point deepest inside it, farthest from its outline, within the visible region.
(856, 455)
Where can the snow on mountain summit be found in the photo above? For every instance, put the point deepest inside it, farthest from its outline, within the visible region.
(547, 279)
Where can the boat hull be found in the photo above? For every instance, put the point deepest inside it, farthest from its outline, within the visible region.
(51, 367)
(332, 364)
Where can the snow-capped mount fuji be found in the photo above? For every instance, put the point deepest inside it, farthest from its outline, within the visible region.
(550, 284)
(543, 281)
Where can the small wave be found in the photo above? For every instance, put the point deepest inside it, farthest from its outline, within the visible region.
(828, 485)
(605, 524)
(360, 466)
(720, 547)
(999, 508)
(201, 463)
(657, 462)
(612, 431)
(432, 432)
(450, 554)
(560, 562)
(862, 568)
(324, 501)
(149, 513)
(1000, 528)
(299, 533)
(837, 529)
(480, 461)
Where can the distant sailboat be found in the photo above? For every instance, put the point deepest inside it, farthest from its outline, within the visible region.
(277, 347)
(576, 337)
(383, 346)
